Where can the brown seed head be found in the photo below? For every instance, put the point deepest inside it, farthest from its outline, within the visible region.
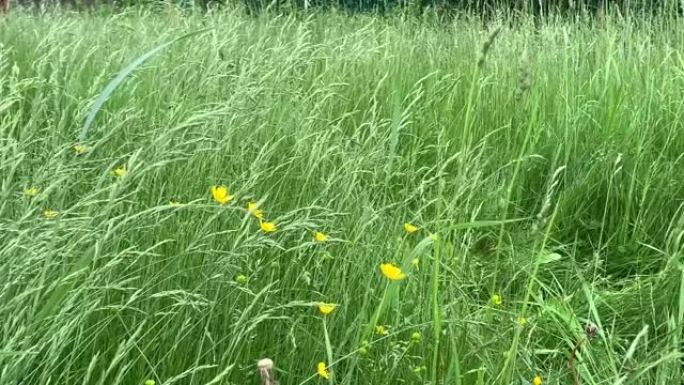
(591, 330)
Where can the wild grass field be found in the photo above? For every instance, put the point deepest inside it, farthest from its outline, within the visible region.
(518, 183)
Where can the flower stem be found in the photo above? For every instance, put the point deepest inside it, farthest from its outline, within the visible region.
(436, 314)
(328, 349)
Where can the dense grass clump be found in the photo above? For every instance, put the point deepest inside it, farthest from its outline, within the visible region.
(541, 166)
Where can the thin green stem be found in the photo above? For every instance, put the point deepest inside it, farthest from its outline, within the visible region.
(328, 350)
(436, 310)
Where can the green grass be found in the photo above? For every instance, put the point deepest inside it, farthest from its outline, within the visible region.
(551, 175)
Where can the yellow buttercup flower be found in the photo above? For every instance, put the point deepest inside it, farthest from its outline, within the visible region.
(409, 228)
(253, 209)
(415, 262)
(323, 370)
(522, 321)
(381, 330)
(31, 192)
(241, 279)
(320, 237)
(120, 171)
(365, 346)
(392, 272)
(496, 299)
(80, 149)
(326, 308)
(50, 214)
(221, 195)
(268, 227)
(537, 380)
(150, 382)
(416, 337)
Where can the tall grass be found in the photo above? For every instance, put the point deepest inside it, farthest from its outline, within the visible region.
(556, 184)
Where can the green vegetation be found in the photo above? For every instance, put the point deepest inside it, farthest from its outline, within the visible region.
(541, 164)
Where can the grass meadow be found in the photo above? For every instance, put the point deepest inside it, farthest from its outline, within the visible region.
(540, 165)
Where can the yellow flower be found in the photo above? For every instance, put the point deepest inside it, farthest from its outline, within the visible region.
(409, 228)
(175, 202)
(381, 330)
(120, 171)
(537, 380)
(496, 299)
(80, 149)
(268, 227)
(241, 279)
(392, 272)
(150, 382)
(50, 214)
(320, 237)
(365, 346)
(253, 209)
(415, 262)
(221, 195)
(31, 192)
(326, 308)
(522, 321)
(416, 337)
(322, 370)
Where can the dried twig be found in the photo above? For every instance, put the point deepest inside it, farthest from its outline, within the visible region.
(589, 333)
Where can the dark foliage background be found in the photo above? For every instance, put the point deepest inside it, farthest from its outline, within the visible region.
(487, 8)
